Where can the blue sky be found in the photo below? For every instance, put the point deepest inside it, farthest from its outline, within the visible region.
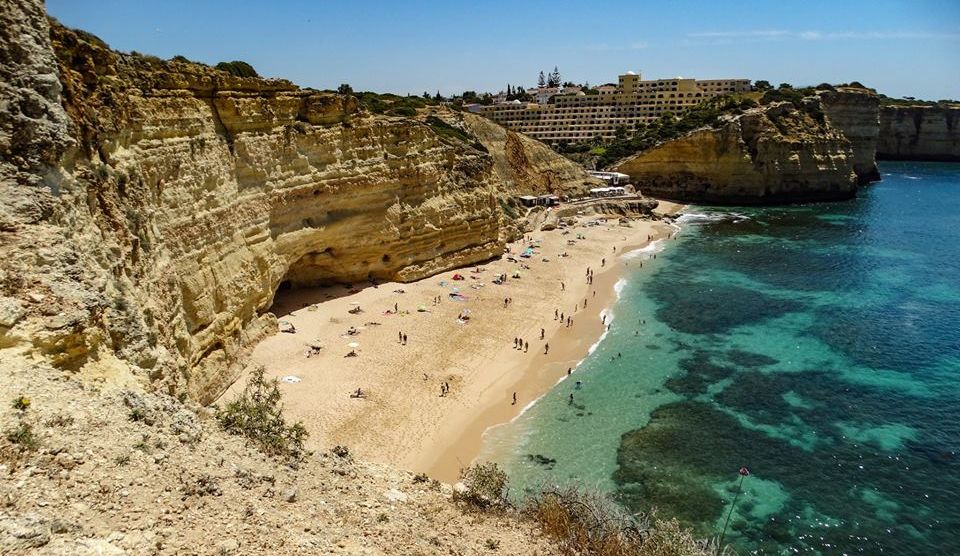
(898, 47)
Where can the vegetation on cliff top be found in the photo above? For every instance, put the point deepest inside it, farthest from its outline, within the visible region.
(257, 414)
(238, 68)
(668, 126)
(581, 522)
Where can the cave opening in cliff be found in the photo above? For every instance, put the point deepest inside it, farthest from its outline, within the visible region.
(322, 275)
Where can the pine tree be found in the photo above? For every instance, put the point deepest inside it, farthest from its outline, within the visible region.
(438, 97)
(554, 79)
(541, 81)
(509, 90)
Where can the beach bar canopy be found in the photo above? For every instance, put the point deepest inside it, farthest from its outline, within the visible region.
(612, 178)
(541, 201)
(615, 191)
(528, 200)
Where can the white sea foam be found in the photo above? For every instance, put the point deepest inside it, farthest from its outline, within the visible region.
(649, 249)
(646, 251)
(700, 217)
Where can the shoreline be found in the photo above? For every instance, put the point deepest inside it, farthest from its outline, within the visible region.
(403, 420)
(539, 376)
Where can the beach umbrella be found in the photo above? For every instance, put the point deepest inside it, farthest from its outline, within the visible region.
(353, 344)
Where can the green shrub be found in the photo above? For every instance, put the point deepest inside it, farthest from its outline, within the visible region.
(485, 486)
(237, 68)
(444, 129)
(21, 403)
(258, 416)
(22, 435)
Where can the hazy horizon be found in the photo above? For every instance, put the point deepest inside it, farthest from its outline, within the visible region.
(898, 48)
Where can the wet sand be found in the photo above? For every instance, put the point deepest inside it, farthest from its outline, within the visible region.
(403, 420)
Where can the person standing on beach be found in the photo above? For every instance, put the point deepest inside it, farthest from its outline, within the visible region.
(395, 309)
(404, 339)
(563, 288)
(561, 317)
(514, 399)
(542, 332)
(569, 370)
(526, 346)
(399, 337)
(555, 313)
(571, 398)
(546, 348)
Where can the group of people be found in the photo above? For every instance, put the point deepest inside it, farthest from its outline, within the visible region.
(402, 338)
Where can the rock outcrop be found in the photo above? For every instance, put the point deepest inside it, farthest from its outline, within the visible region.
(929, 133)
(522, 163)
(855, 112)
(152, 213)
(774, 154)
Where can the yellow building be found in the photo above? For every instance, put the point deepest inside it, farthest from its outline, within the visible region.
(560, 118)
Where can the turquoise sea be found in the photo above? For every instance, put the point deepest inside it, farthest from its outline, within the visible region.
(817, 345)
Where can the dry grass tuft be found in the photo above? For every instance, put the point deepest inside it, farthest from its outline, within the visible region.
(590, 523)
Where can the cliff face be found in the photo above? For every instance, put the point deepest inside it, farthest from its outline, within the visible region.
(919, 133)
(856, 112)
(163, 203)
(769, 155)
(522, 163)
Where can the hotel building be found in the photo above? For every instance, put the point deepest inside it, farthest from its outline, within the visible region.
(559, 117)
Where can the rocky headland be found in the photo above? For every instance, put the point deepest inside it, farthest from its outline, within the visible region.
(820, 147)
(920, 132)
(779, 153)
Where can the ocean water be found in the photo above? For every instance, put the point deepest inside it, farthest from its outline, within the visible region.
(817, 345)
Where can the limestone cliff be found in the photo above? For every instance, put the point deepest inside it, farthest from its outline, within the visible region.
(920, 133)
(153, 208)
(774, 154)
(855, 111)
(522, 163)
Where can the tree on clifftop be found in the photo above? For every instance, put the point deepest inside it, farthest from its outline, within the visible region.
(345, 89)
(237, 68)
(541, 81)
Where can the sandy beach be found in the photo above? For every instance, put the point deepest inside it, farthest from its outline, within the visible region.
(405, 417)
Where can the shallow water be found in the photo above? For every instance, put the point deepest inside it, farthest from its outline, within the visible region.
(817, 345)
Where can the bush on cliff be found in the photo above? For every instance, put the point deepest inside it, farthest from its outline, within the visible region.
(444, 129)
(237, 68)
(485, 486)
(257, 415)
(584, 522)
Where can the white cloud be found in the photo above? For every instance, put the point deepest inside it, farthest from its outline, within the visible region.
(813, 35)
(610, 48)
